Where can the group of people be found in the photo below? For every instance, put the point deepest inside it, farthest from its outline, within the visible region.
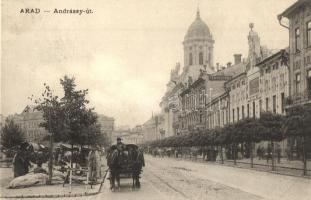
(127, 159)
(120, 157)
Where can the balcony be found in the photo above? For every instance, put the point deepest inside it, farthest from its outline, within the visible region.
(298, 98)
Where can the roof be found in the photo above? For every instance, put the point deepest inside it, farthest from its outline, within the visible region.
(234, 70)
(218, 88)
(193, 85)
(287, 13)
(279, 53)
(198, 29)
(29, 108)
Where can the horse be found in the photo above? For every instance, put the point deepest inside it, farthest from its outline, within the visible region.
(139, 163)
(112, 162)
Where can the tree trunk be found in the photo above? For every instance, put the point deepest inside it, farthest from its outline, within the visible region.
(221, 154)
(51, 160)
(71, 164)
(251, 155)
(234, 153)
(304, 156)
(272, 151)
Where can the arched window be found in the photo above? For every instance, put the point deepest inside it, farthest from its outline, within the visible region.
(190, 59)
(200, 58)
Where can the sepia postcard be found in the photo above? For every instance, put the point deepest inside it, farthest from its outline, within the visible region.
(155, 99)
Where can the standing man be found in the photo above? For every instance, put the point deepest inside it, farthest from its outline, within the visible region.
(92, 164)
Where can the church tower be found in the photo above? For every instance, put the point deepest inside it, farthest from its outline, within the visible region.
(198, 46)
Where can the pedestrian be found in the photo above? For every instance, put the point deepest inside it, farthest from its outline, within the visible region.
(269, 153)
(18, 164)
(92, 164)
(98, 163)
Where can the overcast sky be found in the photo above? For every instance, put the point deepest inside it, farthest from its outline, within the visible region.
(124, 51)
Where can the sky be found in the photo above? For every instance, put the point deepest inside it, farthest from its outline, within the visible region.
(123, 52)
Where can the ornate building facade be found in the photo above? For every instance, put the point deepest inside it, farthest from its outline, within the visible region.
(29, 122)
(198, 48)
(299, 16)
(153, 129)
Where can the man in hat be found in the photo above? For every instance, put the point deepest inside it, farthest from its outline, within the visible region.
(120, 145)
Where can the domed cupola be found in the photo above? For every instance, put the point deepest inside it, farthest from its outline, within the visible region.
(198, 45)
(198, 30)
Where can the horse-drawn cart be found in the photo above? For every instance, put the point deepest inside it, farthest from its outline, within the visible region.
(125, 162)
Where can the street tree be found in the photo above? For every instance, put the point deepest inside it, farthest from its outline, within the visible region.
(251, 130)
(68, 119)
(298, 124)
(272, 130)
(11, 134)
(79, 119)
(51, 108)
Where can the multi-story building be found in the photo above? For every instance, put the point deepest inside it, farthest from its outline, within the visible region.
(299, 16)
(198, 47)
(29, 122)
(129, 136)
(273, 82)
(196, 98)
(218, 111)
(153, 129)
(193, 98)
(244, 88)
(106, 126)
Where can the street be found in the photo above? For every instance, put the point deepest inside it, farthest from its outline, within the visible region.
(168, 178)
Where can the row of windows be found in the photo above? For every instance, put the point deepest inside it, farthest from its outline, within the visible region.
(34, 134)
(237, 84)
(200, 58)
(297, 37)
(241, 115)
(218, 119)
(269, 69)
(298, 81)
(194, 101)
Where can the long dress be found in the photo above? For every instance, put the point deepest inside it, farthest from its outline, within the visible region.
(92, 166)
(98, 165)
(18, 165)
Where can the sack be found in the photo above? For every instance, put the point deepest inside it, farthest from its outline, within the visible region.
(29, 180)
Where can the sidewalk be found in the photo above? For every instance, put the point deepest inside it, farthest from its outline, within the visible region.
(292, 168)
(264, 184)
(41, 191)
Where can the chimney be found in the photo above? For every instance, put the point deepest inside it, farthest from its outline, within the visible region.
(228, 64)
(237, 58)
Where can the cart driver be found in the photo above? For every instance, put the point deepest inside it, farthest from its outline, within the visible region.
(120, 145)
